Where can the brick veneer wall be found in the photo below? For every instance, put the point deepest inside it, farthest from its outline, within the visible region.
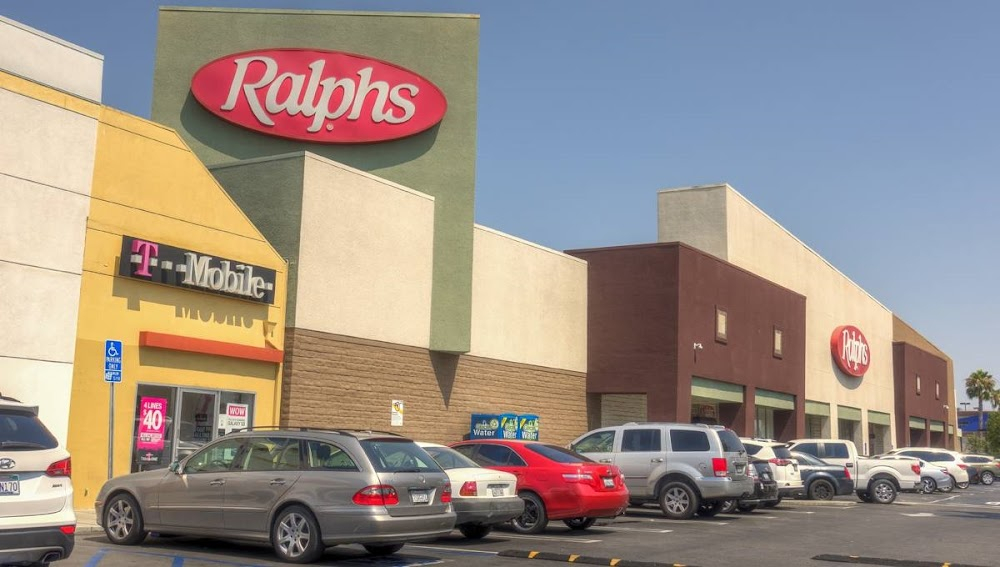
(337, 381)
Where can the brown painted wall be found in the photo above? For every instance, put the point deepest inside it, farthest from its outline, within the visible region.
(337, 381)
(908, 362)
(648, 305)
(903, 332)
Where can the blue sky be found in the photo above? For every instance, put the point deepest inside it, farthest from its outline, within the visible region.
(869, 130)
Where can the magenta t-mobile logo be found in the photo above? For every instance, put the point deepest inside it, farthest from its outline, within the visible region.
(142, 252)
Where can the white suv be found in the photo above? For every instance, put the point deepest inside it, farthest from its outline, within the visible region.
(950, 460)
(37, 522)
(783, 465)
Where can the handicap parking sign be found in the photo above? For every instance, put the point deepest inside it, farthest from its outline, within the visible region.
(112, 361)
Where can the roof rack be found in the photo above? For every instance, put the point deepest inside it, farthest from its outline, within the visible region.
(341, 431)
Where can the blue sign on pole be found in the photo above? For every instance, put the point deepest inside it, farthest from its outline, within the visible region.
(112, 361)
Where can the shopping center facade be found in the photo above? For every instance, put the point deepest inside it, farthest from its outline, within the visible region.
(346, 284)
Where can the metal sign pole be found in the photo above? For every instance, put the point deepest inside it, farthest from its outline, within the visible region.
(111, 432)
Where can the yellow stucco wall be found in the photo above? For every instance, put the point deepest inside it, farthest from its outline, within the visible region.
(149, 185)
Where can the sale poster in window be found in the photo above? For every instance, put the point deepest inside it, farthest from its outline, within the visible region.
(152, 428)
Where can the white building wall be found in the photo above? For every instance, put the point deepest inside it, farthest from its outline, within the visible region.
(756, 242)
(529, 303)
(46, 167)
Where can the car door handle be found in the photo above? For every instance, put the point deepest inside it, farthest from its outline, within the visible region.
(656, 460)
(849, 465)
(277, 482)
(605, 460)
(217, 482)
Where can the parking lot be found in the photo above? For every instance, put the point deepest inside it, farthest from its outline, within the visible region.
(956, 529)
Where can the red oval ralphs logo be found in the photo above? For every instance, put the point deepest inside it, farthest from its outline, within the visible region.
(850, 350)
(326, 97)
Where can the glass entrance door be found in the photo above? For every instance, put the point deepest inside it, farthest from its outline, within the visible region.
(196, 421)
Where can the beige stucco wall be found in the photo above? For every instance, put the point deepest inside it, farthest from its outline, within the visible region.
(365, 256)
(46, 168)
(35, 55)
(756, 242)
(529, 303)
(696, 216)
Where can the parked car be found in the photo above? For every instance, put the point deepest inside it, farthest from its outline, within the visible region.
(932, 477)
(784, 468)
(555, 483)
(875, 479)
(482, 497)
(841, 452)
(950, 460)
(37, 523)
(301, 490)
(765, 489)
(983, 469)
(685, 468)
(822, 480)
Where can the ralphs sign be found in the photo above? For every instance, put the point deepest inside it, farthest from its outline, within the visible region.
(326, 97)
(850, 350)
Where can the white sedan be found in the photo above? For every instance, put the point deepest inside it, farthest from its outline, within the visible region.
(482, 497)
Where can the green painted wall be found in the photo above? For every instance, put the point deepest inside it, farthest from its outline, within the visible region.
(440, 162)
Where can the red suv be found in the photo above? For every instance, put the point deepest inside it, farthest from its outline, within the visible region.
(555, 483)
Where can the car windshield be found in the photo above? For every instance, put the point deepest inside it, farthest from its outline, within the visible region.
(557, 454)
(398, 456)
(23, 431)
(449, 458)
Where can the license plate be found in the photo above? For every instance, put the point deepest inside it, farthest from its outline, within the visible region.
(10, 486)
(420, 497)
(609, 483)
(496, 491)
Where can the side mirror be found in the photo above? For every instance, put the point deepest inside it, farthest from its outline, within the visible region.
(175, 467)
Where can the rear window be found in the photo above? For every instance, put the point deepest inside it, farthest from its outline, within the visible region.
(782, 453)
(23, 431)
(752, 449)
(684, 441)
(398, 455)
(557, 454)
(449, 458)
(730, 441)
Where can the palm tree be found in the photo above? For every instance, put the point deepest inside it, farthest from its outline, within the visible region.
(980, 385)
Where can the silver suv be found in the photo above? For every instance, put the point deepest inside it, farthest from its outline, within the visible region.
(685, 468)
(301, 490)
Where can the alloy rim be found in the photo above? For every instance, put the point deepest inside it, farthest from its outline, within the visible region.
(883, 492)
(293, 535)
(530, 516)
(121, 519)
(928, 486)
(987, 478)
(823, 491)
(677, 500)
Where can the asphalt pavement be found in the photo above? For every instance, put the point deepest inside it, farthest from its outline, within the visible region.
(953, 529)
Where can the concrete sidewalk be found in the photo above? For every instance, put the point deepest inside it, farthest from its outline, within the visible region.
(86, 522)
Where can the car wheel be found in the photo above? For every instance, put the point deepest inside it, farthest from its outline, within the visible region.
(928, 485)
(963, 485)
(533, 519)
(678, 501)
(821, 490)
(382, 549)
(295, 536)
(746, 508)
(987, 478)
(882, 491)
(123, 521)
(729, 506)
(711, 508)
(773, 503)
(864, 495)
(475, 531)
(580, 523)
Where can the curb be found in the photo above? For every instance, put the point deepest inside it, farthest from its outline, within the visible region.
(832, 503)
(89, 529)
(888, 562)
(584, 559)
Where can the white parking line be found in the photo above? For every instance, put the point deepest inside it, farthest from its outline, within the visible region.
(644, 530)
(451, 549)
(942, 500)
(548, 538)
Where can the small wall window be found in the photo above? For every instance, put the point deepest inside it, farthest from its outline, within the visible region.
(918, 384)
(778, 346)
(721, 325)
(937, 390)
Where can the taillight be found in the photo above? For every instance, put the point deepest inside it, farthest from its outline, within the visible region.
(578, 477)
(469, 489)
(915, 468)
(963, 467)
(379, 495)
(720, 466)
(68, 530)
(780, 462)
(847, 473)
(59, 468)
(446, 493)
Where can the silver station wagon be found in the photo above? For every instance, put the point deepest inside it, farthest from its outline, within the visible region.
(301, 490)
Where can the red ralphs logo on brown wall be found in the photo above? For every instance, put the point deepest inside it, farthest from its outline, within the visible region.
(326, 97)
(850, 350)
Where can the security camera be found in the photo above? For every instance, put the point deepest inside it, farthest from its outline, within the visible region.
(697, 346)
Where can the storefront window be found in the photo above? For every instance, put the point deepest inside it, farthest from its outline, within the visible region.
(172, 423)
(764, 424)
